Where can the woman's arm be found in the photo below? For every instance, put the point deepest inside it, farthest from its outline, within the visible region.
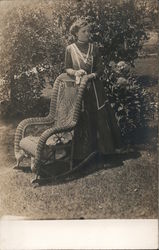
(68, 62)
(70, 71)
(69, 65)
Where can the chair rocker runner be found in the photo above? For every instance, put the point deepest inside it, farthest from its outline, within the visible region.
(37, 147)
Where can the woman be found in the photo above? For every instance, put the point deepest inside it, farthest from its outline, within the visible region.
(82, 57)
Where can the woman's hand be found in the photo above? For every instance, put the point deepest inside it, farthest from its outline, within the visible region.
(92, 75)
(87, 78)
(80, 73)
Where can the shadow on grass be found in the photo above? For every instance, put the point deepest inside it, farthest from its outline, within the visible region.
(25, 169)
(92, 167)
(141, 139)
(145, 138)
(147, 80)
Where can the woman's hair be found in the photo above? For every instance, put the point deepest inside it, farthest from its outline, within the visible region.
(79, 23)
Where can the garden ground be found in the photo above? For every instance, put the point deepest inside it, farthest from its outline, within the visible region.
(120, 187)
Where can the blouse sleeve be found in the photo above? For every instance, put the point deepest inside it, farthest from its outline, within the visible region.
(98, 66)
(68, 58)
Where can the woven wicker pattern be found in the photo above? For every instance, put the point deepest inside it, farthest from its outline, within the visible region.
(60, 125)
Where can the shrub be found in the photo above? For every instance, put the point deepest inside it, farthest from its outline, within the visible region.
(149, 13)
(117, 29)
(133, 104)
(4, 97)
(30, 42)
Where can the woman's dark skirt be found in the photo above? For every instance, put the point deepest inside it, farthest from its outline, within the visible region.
(97, 129)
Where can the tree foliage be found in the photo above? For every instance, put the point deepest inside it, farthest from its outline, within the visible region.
(30, 47)
(149, 11)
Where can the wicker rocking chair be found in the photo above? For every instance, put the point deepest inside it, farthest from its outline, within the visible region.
(36, 148)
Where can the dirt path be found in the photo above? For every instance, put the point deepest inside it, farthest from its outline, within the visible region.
(125, 187)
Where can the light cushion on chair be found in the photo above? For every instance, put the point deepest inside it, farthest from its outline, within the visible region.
(29, 144)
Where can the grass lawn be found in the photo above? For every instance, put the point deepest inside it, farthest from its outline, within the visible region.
(147, 66)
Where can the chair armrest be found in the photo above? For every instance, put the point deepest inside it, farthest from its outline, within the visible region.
(44, 137)
(23, 125)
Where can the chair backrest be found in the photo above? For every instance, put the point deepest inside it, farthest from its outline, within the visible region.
(82, 87)
(66, 100)
(54, 105)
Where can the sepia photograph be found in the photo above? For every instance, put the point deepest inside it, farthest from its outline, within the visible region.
(79, 109)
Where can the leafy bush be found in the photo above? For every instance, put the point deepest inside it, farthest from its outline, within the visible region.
(4, 97)
(117, 29)
(30, 42)
(133, 104)
(149, 13)
(4, 90)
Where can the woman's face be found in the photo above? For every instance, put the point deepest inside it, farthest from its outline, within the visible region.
(84, 34)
